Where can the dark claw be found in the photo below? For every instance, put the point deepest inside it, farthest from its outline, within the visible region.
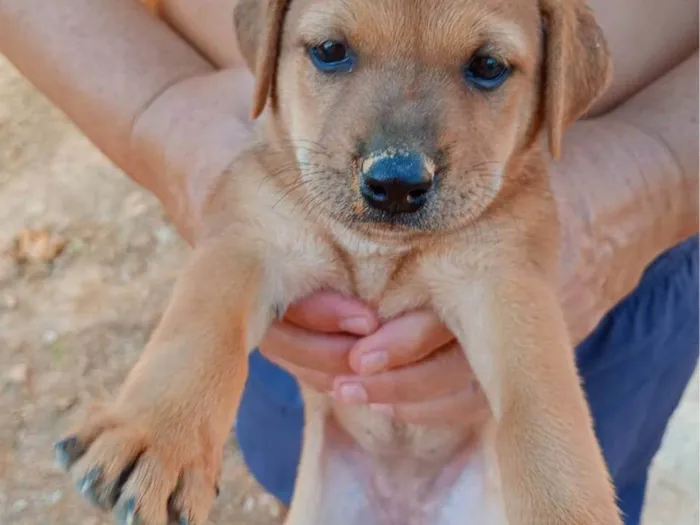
(67, 452)
(88, 486)
(218, 490)
(110, 495)
(126, 513)
(113, 490)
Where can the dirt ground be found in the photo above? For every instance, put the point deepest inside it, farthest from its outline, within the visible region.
(70, 330)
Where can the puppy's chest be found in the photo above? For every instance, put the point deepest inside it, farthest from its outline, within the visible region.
(386, 278)
(391, 283)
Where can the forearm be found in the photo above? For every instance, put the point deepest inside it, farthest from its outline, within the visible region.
(103, 63)
(632, 195)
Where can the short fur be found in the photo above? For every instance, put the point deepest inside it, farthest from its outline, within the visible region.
(288, 219)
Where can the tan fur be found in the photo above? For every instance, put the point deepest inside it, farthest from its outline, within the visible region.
(288, 219)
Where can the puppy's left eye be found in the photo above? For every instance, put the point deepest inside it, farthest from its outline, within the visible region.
(332, 57)
(486, 72)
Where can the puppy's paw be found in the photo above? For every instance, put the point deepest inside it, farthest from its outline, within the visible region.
(147, 472)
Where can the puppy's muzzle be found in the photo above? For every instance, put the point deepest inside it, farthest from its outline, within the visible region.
(396, 181)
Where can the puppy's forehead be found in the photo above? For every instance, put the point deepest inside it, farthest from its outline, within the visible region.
(437, 31)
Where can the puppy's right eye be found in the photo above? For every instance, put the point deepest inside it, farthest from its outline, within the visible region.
(332, 57)
(486, 72)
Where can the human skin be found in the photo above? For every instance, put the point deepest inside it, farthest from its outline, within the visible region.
(626, 185)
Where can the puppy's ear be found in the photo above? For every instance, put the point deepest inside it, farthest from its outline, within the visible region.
(577, 65)
(259, 31)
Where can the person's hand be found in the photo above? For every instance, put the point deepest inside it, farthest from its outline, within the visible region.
(410, 367)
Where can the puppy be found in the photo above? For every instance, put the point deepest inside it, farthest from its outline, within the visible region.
(398, 161)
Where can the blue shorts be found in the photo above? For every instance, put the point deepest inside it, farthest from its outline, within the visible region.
(635, 366)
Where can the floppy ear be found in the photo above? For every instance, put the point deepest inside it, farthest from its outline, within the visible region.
(259, 30)
(577, 65)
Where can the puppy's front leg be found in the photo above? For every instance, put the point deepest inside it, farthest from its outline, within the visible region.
(154, 455)
(512, 329)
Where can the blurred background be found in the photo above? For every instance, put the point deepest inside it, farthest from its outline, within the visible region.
(87, 260)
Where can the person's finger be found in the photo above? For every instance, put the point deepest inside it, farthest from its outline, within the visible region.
(319, 381)
(467, 407)
(444, 373)
(331, 312)
(401, 341)
(326, 353)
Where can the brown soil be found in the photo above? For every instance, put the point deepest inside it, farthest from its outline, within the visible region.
(71, 327)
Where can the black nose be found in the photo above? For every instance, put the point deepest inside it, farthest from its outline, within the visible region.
(396, 182)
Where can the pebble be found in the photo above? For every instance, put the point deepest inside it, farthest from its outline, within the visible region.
(134, 205)
(271, 505)
(249, 504)
(19, 506)
(49, 337)
(18, 374)
(55, 497)
(165, 235)
(263, 502)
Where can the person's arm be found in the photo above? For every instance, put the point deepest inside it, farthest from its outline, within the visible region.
(139, 92)
(627, 188)
(646, 39)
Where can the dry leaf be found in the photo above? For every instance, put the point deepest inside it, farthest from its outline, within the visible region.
(37, 246)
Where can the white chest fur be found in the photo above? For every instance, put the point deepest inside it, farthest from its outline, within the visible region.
(350, 473)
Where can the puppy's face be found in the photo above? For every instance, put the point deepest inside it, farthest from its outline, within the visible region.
(406, 115)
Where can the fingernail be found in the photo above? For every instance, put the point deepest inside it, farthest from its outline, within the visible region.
(387, 410)
(356, 326)
(373, 362)
(353, 393)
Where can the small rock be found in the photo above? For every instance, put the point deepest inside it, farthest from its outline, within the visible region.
(18, 374)
(134, 205)
(165, 235)
(270, 503)
(249, 504)
(55, 497)
(49, 337)
(19, 506)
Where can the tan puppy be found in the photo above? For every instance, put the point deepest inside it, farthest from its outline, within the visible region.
(399, 162)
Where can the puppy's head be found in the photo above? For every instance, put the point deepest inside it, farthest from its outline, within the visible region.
(407, 114)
